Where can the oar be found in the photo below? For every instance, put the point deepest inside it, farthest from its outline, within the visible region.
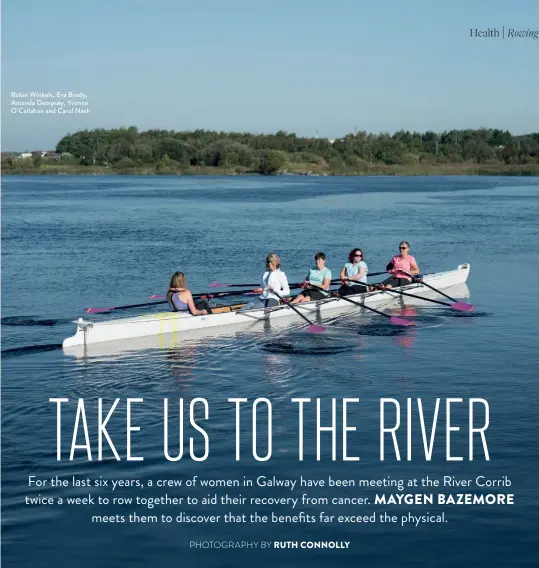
(457, 305)
(107, 310)
(313, 327)
(394, 319)
(452, 306)
(219, 285)
(201, 295)
(207, 295)
(368, 274)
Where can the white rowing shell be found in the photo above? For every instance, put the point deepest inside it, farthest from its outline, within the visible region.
(158, 324)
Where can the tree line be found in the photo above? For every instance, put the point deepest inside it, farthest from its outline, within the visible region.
(127, 148)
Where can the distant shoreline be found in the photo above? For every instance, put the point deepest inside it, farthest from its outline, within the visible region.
(375, 170)
(127, 151)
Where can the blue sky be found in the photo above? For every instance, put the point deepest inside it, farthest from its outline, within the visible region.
(296, 65)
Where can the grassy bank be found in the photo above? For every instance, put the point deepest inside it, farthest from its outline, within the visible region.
(293, 168)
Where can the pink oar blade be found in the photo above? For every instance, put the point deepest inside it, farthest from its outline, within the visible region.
(401, 321)
(219, 285)
(316, 328)
(98, 310)
(462, 307)
(156, 297)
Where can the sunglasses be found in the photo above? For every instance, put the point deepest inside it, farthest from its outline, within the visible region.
(358, 254)
(403, 248)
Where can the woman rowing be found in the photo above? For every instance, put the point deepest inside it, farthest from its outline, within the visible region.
(354, 274)
(273, 280)
(318, 276)
(401, 266)
(180, 299)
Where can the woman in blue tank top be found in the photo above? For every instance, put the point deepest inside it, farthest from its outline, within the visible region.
(180, 299)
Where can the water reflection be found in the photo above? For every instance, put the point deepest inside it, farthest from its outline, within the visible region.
(277, 368)
(184, 362)
(407, 341)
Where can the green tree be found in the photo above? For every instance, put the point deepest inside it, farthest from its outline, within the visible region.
(163, 163)
(271, 162)
(124, 164)
(141, 152)
(175, 149)
(230, 153)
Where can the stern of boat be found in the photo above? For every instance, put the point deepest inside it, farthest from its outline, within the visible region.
(81, 336)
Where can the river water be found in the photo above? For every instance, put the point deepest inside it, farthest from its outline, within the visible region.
(74, 242)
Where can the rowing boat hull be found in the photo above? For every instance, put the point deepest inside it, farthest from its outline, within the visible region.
(177, 323)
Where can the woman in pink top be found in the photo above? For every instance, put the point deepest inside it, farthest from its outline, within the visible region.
(401, 262)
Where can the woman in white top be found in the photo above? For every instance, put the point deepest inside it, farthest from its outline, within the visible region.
(272, 280)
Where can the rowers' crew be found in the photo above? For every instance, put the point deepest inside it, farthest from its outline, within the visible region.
(319, 276)
(273, 280)
(180, 299)
(399, 263)
(354, 274)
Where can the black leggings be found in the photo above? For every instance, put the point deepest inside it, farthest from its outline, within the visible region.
(396, 282)
(203, 305)
(313, 294)
(350, 290)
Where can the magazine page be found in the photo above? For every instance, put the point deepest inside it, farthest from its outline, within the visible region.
(269, 284)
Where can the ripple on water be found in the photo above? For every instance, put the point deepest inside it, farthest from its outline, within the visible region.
(335, 339)
(29, 349)
(32, 321)
(303, 348)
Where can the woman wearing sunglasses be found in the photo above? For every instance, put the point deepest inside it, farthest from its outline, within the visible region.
(272, 280)
(354, 274)
(399, 264)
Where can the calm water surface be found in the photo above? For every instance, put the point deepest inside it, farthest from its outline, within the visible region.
(74, 242)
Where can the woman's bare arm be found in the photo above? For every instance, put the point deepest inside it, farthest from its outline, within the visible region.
(360, 274)
(192, 307)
